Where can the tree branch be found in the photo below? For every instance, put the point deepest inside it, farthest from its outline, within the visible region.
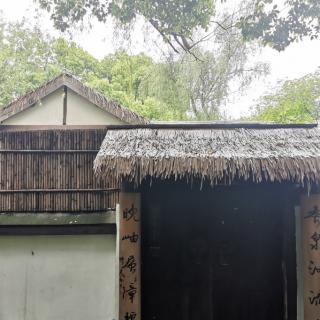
(222, 26)
(155, 25)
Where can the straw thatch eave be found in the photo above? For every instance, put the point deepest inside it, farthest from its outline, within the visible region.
(31, 98)
(215, 155)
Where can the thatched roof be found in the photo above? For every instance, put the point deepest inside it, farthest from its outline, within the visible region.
(31, 98)
(221, 152)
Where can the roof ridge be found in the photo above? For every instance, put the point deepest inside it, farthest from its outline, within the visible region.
(66, 79)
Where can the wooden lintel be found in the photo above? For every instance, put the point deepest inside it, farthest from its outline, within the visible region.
(47, 151)
(57, 229)
(58, 190)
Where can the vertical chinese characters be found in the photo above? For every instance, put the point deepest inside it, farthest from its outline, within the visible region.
(311, 220)
(129, 272)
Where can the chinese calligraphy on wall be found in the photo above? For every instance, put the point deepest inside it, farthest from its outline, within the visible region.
(129, 257)
(310, 214)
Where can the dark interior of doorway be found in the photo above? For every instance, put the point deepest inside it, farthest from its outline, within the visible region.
(222, 253)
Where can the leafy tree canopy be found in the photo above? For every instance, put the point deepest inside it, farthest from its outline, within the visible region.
(200, 88)
(29, 58)
(179, 87)
(274, 24)
(174, 20)
(295, 101)
(280, 25)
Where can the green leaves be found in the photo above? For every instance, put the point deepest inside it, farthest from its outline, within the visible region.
(296, 101)
(30, 58)
(277, 27)
(25, 57)
(174, 20)
(179, 88)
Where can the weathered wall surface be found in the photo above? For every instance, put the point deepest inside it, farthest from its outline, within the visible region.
(49, 111)
(57, 277)
(51, 170)
(83, 112)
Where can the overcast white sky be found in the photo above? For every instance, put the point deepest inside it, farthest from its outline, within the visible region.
(296, 61)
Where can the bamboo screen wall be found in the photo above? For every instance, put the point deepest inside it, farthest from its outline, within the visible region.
(51, 171)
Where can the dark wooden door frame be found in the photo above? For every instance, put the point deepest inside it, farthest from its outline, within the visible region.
(289, 256)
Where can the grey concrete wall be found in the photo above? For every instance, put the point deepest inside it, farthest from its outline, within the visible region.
(57, 277)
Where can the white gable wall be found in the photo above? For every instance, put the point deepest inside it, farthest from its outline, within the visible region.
(49, 111)
(83, 112)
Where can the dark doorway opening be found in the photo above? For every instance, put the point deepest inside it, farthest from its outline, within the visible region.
(219, 253)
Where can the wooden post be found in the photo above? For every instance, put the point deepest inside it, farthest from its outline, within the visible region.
(299, 259)
(129, 256)
(310, 215)
(117, 290)
(289, 258)
(65, 105)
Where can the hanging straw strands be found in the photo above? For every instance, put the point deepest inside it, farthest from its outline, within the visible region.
(214, 155)
(51, 171)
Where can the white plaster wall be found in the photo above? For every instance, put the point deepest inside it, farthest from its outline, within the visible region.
(48, 112)
(83, 112)
(80, 111)
(57, 277)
